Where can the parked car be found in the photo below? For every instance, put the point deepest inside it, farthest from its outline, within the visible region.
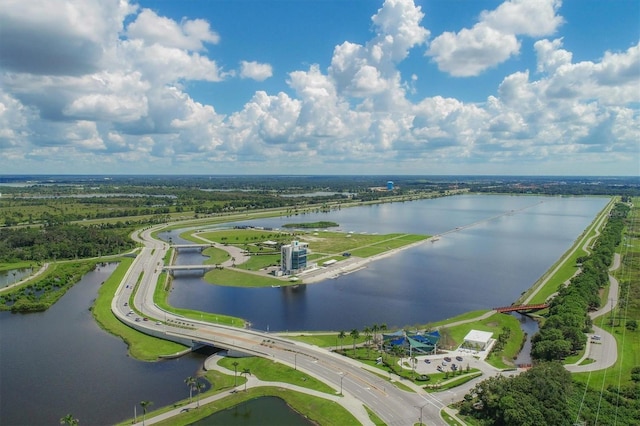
(448, 359)
(459, 358)
(428, 361)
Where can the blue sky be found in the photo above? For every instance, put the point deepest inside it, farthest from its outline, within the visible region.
(518, 87)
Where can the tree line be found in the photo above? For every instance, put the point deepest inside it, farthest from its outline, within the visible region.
(563, 331)
(62, 241)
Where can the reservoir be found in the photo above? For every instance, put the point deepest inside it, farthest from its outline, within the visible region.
(60, 362)
(490, 250)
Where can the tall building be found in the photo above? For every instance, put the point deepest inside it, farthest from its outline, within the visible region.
(293, 257)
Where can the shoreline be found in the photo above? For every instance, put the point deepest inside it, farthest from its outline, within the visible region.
(353, 264)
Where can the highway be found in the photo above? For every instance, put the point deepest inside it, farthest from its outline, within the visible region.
(392, 405)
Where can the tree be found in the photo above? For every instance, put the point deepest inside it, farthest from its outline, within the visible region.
(199, 387)
(631, 324)
(245, 372)
(367, 335)
(235, 373)
(190, 381)
(69, 420)
(341, 336)
(354, 335)
(374, 329)
(144, 405)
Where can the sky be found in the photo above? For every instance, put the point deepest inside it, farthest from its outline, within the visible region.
(308, 87)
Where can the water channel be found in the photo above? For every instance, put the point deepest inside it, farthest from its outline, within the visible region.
(60, 361)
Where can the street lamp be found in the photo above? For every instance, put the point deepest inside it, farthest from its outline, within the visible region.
(342, 376)
(421, 412)
(295, 360)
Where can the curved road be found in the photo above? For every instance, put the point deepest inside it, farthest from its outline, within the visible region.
(392, 405)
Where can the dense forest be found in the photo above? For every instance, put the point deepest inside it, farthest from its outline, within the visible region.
(62, 242)
(535, 397)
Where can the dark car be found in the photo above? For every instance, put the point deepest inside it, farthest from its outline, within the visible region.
(459, 358)
(428, 361)
(448, 359)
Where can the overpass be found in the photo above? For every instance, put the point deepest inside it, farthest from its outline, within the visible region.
(192, 246)
(522, 308)
(172, 268)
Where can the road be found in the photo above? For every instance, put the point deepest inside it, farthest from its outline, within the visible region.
(392, 405)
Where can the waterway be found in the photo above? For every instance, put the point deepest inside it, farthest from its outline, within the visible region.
(14, 275)
(499, 246)
(60, 361)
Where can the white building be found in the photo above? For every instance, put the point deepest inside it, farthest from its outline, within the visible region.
(477, 340)
(293, 257)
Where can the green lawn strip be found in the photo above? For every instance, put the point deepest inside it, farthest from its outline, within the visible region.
(161, 293)
(270, 371)
(238, 237)
(229, 277)
(402, 386)
(327, 339)
(141, 346)
(374, 417)
(450, 384)
(587, 361)
(450, 420)
(216, 256)
(320, 411)
(19, 265)
(258, 262)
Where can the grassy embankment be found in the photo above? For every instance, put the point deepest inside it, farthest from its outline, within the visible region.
(141, 346)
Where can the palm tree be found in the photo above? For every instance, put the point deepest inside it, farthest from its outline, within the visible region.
(367, 336)
(144, 405)
(374, 329)
(69, 420)
(246, 372)
(341, 336)
(235, 373)
(190, 381)
(354, 335)
(199, 387)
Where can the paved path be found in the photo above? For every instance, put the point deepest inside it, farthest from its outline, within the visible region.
(605, 350)
(25, 279)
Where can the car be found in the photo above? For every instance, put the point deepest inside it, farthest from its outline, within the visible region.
(459, 358)
(448, 359)
(444, 363)
(439, 368)
(428, 361)
(158, 323)
(145, 319)
(137, 319)
(453, 367)
(126, 304)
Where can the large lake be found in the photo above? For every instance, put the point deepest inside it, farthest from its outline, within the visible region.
(491, 249)
(61, 362)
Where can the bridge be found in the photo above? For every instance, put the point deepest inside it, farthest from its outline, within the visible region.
(522, 308)
(172, 268)
(192, 246)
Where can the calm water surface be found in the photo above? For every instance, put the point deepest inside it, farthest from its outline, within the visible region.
(61, 362)
(504, 244)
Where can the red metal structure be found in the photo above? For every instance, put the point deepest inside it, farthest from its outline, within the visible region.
(520, 308)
